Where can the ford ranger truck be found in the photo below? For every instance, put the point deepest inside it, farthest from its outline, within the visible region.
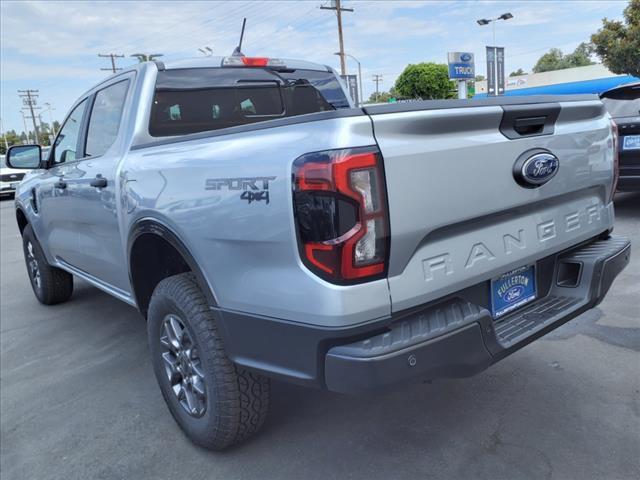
(265, 228)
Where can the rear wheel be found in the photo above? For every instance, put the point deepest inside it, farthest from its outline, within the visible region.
(216, 403)
(50, 285)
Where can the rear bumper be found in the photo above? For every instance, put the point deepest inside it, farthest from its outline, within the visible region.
(472, 340)
(454, 337)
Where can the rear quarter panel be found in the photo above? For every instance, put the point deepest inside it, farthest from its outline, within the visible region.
(248, 250)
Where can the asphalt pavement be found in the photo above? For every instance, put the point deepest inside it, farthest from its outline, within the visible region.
(78, 400)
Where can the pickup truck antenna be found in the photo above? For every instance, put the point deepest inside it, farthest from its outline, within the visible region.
(238, 51)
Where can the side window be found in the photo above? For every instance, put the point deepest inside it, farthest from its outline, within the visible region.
(67, 141)
(105, 118)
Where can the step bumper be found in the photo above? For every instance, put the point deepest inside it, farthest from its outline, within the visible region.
(458, 338)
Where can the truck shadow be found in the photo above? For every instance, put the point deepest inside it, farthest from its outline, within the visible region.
(627, 205)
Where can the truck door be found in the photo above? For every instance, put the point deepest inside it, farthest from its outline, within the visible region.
(54, 199)
(100, 251)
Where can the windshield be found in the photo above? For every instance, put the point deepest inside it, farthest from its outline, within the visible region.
(201, 99)
(3, 161)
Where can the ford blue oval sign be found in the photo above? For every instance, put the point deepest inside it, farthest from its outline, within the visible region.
(535, 168)
(465, 57)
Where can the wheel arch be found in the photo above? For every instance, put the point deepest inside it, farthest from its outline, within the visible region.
(22, 219)
(155, 252)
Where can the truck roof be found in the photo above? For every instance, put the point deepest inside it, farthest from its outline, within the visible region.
(216, 62)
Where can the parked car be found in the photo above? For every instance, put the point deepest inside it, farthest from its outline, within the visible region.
(623, 103)
(266, 228)
(9, 177)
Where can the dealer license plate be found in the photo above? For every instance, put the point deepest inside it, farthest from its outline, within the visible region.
(513, 290)
(631, 142)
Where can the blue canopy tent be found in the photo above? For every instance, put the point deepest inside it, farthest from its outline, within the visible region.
(597, 86)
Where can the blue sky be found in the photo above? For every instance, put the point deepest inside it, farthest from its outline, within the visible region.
(53, 46)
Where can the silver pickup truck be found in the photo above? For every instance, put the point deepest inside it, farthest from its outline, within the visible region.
(266, 228)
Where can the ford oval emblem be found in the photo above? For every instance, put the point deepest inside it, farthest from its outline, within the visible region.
(513, 294)
(465, 57)
(535, 168)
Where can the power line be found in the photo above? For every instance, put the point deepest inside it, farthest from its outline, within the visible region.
(29, 100)
(113, 57)
(335, 5)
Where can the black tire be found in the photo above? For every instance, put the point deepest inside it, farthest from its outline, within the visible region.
(236, 401)
(50, 285)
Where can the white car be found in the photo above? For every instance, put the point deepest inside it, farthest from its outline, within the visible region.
(9, 177)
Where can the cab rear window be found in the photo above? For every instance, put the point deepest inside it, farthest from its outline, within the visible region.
(197, 100)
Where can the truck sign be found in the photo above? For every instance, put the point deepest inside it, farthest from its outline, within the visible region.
(461, 65)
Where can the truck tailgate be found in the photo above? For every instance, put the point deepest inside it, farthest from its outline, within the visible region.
(458, 216)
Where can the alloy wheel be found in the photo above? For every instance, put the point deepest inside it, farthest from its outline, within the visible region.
(34, 270)
(183, 366)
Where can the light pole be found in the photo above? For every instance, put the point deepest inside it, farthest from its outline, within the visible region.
(487, 21)
(495, 58)
(359, 75)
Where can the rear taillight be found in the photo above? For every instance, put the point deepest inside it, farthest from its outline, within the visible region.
(341, 213)
(616, 158)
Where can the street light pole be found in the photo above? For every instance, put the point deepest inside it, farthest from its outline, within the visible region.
(487, 21)
(494, 32)
(359, 75)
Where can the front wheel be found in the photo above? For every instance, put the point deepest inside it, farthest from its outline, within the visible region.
(216, 403)
(50, 285)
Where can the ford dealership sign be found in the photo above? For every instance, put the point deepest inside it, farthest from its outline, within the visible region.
(461, 65)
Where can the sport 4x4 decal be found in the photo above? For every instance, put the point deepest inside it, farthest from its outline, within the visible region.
(254, 189)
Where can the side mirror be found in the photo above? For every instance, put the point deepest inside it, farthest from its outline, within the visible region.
(24, 156)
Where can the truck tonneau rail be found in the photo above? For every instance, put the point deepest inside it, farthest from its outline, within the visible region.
(474, 102)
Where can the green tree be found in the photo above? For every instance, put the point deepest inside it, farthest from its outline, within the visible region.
(12, 139)
(383, 97)
(380, 97)
(581, 56)
(554, 59)
(618, 43)
(427, 81)
(479, 78)
(517, 73)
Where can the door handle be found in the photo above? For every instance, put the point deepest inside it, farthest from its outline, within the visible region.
(99, 182)
(60, 184)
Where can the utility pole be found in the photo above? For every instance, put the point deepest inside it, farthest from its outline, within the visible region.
(335, 5)
(24, 122)
(377, 79)
(49, 109)
(29, 100)
(113, 57)
(4, 135)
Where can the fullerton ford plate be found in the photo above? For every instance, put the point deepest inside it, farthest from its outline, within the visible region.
(631, 142)
(513, 290)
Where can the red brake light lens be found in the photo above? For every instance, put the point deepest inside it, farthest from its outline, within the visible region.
(241, 61)
(341, 212)
(255, 61)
